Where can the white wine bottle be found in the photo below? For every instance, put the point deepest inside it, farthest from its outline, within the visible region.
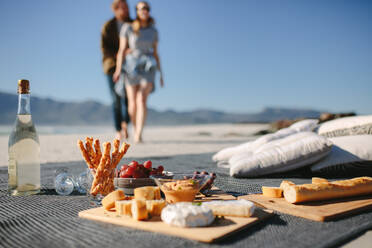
(24, 148)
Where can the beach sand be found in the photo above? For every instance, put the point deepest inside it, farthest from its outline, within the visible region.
(158, 141)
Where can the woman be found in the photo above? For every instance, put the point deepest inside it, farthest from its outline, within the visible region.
(140, 64)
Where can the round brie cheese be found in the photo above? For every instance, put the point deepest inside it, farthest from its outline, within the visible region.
(185, 214)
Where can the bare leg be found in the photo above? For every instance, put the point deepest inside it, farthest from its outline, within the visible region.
(132, 105)
(118, 135)
(141, 98)
(124, 130)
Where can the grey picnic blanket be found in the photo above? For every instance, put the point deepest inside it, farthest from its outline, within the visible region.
(50, 220)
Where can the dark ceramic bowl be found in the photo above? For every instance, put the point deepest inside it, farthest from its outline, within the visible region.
(129, 184)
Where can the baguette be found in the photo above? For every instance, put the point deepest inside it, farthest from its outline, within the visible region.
(273, 192)
(286, 184)
(328, 190)
(317, 180)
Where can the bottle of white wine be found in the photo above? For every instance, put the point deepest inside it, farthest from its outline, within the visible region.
(24, 148)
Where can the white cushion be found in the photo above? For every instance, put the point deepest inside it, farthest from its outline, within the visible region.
(239, 157)
(307, 125)
(289, 153)
(354, 125)
(225, 154)
(347, 151)
(272, 136)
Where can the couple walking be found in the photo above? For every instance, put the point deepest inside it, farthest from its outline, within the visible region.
(130, 61)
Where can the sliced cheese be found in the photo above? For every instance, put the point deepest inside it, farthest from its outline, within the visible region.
(109, 201)
(274, 192)
(239, 208)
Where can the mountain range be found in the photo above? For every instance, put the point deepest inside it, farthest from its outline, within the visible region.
(48, 111)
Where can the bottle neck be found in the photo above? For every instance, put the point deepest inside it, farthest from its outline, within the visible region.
(24, 104)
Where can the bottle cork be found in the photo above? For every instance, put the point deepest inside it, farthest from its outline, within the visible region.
(23, 86)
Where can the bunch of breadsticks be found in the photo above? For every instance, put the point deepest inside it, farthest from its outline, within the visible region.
(102, 165)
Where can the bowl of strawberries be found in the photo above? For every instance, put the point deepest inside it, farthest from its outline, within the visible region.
(135, 175)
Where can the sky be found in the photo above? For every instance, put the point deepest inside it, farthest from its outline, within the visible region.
(234, 56)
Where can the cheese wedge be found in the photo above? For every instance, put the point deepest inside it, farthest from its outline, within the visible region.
(239, 208)
(109, 201)
(123, 208)
(147, 193)
(274, 192)
(154, 207)
(139, 210)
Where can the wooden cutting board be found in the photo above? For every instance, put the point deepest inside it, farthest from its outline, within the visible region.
(318, 211)
(220, 228)
(214, 194)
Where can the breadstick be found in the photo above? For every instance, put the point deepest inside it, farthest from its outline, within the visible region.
(101, 167)
(123, 150)
(98, 189)
(115, 152)
(85, 154)
(330, 190)
(98, 154)
(103, 184)
(106, 177)
(116, 157)
(89, 147)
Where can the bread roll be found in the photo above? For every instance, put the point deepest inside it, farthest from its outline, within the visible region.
(274, 192)
(323, 191)
(139, 210)
(154, 207)
(317, 180)
(147, 193)
(109, 201)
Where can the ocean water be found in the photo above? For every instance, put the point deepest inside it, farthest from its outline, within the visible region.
(6, 129)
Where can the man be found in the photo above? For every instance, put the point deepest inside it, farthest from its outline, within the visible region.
(110, 47)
